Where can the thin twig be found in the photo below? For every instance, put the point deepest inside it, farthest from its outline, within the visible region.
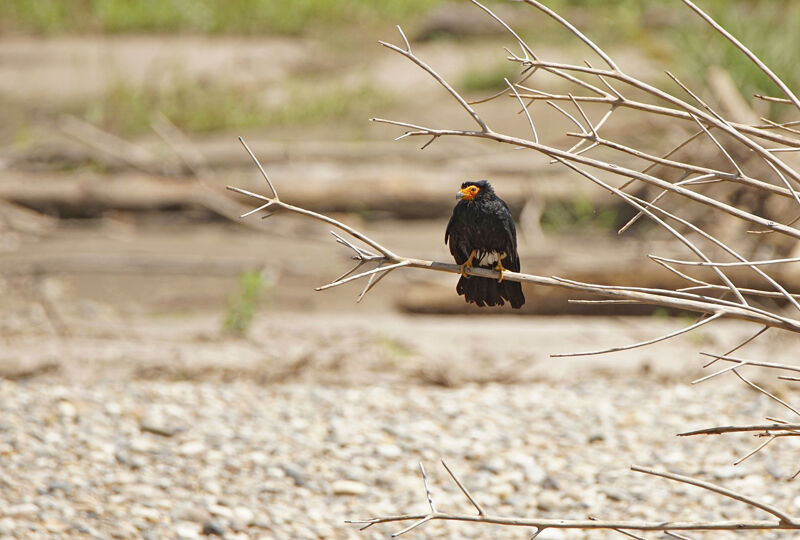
(411, 56)
(427, 488)
(770, 365)
(524, 108)
(755, 450)
(261, 169)
(773, 397)
(782, 516)
(766, 428)
(464, 490)
(749, 54)
(689, 328)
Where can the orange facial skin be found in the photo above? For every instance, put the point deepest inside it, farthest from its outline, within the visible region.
(468, 193)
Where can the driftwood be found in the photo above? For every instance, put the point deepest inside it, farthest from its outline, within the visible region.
(367, 196)
(126, 263)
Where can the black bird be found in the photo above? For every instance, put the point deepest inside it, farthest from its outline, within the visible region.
(481, 233)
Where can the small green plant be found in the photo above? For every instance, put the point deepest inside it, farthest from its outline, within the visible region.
(577, 215)
(242, 305)
(394, 348)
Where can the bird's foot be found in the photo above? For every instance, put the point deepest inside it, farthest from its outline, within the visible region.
(500, 269)
(467, 264)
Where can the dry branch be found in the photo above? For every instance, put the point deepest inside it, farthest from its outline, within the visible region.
(783, 521)
(763, 428)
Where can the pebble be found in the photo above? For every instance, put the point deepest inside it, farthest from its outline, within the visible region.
(21, 510)
(213, 528)
(243, 515)
(295, 474)
(158, 423)
(389, 451)
(67, 409)
(242, 460)
(187, 531)
(348, 487)
(192, 448)
(728, 471)
(221, 511)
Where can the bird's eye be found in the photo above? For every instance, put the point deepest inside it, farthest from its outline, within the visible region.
(473, 189)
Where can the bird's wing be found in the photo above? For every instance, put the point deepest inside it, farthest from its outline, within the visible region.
(511, 234)
(451, 236)
(449, 226)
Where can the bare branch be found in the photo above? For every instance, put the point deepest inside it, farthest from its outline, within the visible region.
(524, 46)
(770, 365)
(427, 488)
(464, 490)
(524, 108)
(728, 264)
(260, 168)
(320, 217)
(784, 520)
(411, 56)
(615, 169)
(755, 450)
(766, 428)
(755, 131)
(363, 274)
(773, 397)
(689, 328)
(569, 26)
(783, 517)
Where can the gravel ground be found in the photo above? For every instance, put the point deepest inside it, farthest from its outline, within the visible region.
(240, 460)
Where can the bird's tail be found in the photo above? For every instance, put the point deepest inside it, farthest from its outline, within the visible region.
(488, 292)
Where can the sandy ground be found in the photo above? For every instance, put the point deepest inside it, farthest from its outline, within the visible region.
(92, 302)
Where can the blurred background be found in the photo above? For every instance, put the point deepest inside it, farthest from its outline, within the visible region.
(167, 369)
(121, 251)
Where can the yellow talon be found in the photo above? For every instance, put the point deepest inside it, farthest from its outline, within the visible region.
(500, 268)
(468, 263)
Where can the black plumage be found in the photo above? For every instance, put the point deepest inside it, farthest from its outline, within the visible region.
(481, 233)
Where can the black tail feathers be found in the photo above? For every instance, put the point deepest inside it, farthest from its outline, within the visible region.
(488, 292)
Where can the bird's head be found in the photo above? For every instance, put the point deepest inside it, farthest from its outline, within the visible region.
(473, 190)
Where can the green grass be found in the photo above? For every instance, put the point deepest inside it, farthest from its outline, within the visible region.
(252, 17)
(667, 32)
(674, 36)
(198, 107)
(578, 215)
(242, 305)
(768, 28)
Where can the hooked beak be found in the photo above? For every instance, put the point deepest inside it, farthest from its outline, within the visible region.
(460, 195)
